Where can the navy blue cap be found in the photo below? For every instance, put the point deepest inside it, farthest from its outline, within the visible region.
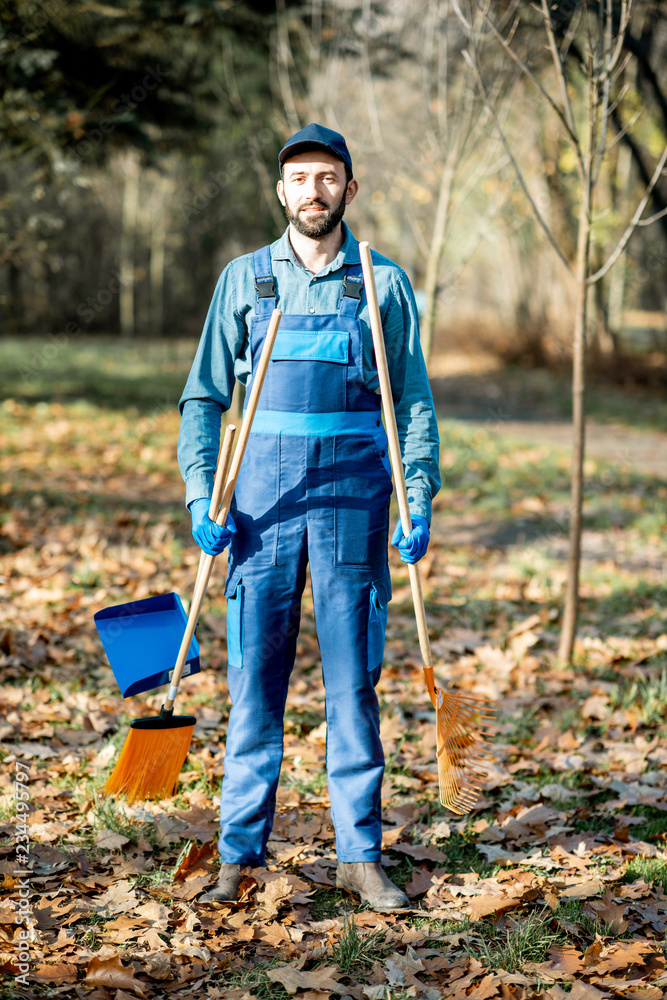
(315, 137)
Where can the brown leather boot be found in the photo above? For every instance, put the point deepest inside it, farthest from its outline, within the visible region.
(226, 888)
(368, 880)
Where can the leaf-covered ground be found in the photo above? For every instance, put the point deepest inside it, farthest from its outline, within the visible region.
(556, 884)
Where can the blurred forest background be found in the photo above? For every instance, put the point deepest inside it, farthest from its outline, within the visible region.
(139, 156)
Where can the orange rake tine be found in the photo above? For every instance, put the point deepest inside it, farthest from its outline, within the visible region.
(462, 725)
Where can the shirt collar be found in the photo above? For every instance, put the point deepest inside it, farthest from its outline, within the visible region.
(348, 253)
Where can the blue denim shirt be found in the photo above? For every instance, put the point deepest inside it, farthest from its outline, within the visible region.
(223, 356)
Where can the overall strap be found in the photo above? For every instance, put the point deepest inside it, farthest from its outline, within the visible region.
(265, 283)
(353, 286)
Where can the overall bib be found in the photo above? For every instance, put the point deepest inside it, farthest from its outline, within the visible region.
(314, 488)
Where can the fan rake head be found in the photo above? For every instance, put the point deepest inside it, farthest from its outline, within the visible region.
(462, 728)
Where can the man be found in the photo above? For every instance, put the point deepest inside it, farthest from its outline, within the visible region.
(314, 488)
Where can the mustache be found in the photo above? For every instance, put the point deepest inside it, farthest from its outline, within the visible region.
(313, 204)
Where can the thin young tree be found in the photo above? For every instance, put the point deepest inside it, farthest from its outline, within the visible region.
(584, 100)
(420, 126)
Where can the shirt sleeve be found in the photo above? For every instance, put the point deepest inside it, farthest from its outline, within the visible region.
(413, 401)
(208, 390)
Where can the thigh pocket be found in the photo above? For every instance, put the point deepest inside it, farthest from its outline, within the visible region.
(235, 593)
(362, 489)
(378, 610)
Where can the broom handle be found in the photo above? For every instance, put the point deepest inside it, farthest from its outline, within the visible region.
(206, 564)
(396, 461)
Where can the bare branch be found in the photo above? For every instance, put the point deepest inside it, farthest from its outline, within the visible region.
(503, 139)
(529, 73)
(283, 56)
(634, 222)
(568, 116)
(616, 103)
(624, 131)
(652, 218)
(626, 8)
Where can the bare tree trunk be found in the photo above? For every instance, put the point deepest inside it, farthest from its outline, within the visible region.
(157, 250)
(130, 167)
(571, 608)
(620, 191)
(434, 258)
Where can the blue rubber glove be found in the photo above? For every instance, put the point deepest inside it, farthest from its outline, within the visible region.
(414, 545)
(208, 535)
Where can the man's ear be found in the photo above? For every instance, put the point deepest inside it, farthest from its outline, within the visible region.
(351, 192)
(281, 192)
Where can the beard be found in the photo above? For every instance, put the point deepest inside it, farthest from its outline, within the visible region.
(320, 226)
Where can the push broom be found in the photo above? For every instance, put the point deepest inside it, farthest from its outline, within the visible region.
(155, 748)
(462, 721)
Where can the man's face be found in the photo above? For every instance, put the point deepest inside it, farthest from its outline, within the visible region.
(315, 193)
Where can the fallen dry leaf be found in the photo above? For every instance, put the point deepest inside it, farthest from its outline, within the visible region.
(56, 974)
(324, 979)
(197, 858)
(271, 898)
(112, 973)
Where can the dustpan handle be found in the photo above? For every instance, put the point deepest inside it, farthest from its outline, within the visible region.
(206, 564)
(396, 461)
(221, 473)
(204, 569)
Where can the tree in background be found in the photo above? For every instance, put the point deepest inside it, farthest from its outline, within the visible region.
(392, 77)
(595, 32)
(99, 102)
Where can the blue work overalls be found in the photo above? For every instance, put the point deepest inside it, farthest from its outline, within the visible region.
(314, 488)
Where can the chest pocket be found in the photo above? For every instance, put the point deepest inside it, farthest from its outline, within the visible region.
(308, 371)
(297, 345)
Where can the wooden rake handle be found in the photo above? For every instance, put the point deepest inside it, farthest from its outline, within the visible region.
(396, 461)
(206, 561)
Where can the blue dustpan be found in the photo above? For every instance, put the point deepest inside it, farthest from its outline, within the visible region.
(142, 640)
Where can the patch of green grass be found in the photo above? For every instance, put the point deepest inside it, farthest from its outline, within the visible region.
(314, 784)
(655, 825)
(519, 728)
(158, 879)
(528, 939)
(202, 782)
(571, 917)
(640, 605)
(7, 810)
(87, 930)
(146, 374)
(108, 816)
(354, 951)
(650, 869)
(463, 856)
(303, 720)
(647, 698)
(437, 929)
(595, 823)
(326, 904)
(254, 980)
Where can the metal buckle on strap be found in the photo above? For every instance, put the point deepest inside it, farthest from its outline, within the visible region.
(265, 287)
(353, 286)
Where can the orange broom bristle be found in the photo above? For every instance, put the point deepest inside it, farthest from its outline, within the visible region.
(462, 725)
(150, 763)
